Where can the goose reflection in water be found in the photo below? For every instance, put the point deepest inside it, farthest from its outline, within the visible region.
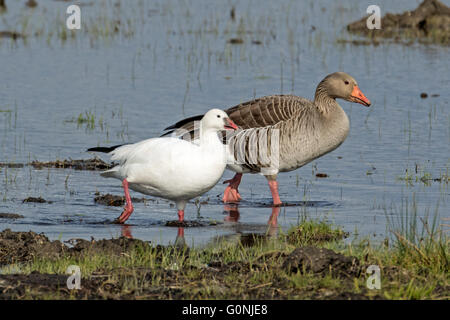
(232, 215)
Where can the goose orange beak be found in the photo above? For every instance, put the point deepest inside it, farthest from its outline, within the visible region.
(230, 125)
(358, 97)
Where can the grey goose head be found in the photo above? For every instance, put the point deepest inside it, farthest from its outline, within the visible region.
(341, 85)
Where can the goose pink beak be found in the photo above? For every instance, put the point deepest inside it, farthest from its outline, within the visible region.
(230, 125)
(358, 97)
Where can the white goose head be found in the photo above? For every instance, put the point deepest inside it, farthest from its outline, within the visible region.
(216, 120)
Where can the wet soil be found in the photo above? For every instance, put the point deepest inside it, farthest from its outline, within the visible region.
(190, 223)
(114, 200)
(11, 216)
(429, 23)
(16, 286)
(81, 164)
(21, 247)
(321, 261)
(11, 165)
(93, 164)
(10, 34)
(35, 200)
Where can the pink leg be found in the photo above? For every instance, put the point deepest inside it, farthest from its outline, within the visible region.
(273, 220)
(273, 185)
(233, 213)
(181, 215)
(128, 210)
(231, 193)
(126, 232)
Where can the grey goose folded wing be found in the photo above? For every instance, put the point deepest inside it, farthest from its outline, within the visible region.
(265, 111)
(257, 113)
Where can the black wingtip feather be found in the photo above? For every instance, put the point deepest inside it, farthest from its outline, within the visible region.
(104, 149)
(183, 122)
(167, 133)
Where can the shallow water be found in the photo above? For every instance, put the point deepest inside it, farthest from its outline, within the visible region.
(171, 59)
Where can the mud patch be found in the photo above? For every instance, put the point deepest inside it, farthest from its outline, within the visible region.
(321, 261)
(19, 247)
(111, 246)
(429, 23)
(17, 286)
(235, 41)
(11, 165)
(81, 164)
(322, 175)
(114, 200)
(190, 223)
(11, 216)
(36, 200)
(11, 35)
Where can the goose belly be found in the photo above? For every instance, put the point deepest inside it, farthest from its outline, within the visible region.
(311, 148)
(178, 182)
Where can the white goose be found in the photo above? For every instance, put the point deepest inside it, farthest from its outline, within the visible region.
(171, 168)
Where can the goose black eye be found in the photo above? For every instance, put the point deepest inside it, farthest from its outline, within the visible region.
(346, 82)
(218, 116)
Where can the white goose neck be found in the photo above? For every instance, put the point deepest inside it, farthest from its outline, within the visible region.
(208, 137)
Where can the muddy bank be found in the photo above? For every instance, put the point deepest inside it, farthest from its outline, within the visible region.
(81, 164)
(11, 35)
(321, 261)
(114, 200)
(191, 223)
(12, 216)
(133, 269)
(428, 23)
(35, 200)
(11, 165)
(22, 247)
